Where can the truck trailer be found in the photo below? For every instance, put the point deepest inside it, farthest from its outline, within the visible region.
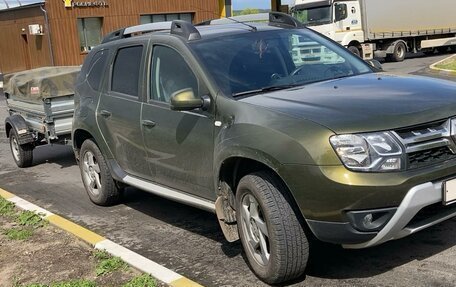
(382, 28)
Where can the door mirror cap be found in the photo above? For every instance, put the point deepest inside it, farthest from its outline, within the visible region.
(185, 100)
(376, 65)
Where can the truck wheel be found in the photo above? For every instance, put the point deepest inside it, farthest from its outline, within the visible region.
(399, 52)
(272, 236)
(354, 50)
(97, 179)
(22, 154)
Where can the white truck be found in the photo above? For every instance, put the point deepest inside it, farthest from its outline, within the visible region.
(381, 28)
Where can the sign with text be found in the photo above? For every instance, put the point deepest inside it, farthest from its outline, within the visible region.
(73, 4)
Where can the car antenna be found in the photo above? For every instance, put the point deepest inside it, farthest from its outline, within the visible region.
(254, 29)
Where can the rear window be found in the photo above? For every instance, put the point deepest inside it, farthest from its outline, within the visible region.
(126, 70)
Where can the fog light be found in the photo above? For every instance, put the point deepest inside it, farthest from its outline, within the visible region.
(370, 220)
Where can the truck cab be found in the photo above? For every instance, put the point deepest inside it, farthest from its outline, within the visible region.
(338, 20)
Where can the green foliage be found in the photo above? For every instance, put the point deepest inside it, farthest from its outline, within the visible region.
(18, 233)
(6, 207)
(141, 281)
(248, 11)
(75, 283)
(107, 263)
(30, 218)
(448, 65)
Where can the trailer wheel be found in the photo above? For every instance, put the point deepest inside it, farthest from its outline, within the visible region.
(354, 50)
(399, 52)
(97, 179)
(22, 154)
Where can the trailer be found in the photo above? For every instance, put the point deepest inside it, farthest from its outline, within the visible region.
(40, 103)
(382, 28)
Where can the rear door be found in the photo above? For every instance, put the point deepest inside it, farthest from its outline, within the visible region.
(119, 110)
(179, 145)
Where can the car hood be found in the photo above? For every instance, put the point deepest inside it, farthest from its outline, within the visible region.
(369, 102)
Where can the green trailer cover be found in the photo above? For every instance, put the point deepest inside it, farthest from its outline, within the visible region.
(38, 84)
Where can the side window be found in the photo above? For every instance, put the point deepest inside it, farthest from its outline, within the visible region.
(97, 69)
(125, 72)
(170, 73)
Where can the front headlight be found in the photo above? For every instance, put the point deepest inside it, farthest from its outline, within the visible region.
(375, 152)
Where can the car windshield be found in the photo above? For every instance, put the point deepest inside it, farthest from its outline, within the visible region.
(255, 62)
(313, 16)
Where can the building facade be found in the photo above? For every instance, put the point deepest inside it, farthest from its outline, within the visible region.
(36, 33)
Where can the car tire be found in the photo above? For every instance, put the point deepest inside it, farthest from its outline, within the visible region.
(22, 154)
(399, 52)
(97, 179)
(354, 50)
(267, 222)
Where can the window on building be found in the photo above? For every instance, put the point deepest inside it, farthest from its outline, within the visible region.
(166, 17)
(125, 73)
(89, 32)
(170, 73)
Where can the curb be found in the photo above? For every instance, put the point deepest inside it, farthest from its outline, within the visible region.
(99, 242)
(443, 71)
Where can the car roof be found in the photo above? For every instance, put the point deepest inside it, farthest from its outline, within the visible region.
(188, 32)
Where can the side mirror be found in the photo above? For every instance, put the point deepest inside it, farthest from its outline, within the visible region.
(185, 100)
(376, 65)
(340, 12)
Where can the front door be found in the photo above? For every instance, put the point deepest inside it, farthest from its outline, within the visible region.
(179, 144)
(119, 112)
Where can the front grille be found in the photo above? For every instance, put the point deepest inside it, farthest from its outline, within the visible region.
(427, 157)
(427, 144)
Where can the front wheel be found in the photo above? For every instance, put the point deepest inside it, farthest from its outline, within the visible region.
(22, 154)
(354, 50)
(272, 235)
(97, 179)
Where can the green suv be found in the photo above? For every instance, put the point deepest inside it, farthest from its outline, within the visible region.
(283, 133)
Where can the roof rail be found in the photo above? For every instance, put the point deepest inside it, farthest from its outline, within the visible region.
(277, 18)
(177, 27)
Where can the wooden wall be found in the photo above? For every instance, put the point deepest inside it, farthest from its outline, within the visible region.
(118, 14)
(19, 50)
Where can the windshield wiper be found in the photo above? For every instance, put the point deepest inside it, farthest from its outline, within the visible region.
(265, 90)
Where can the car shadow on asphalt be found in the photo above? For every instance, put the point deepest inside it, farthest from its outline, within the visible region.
(182, 216)
(333, 262)
(326, 261)
(58, 154)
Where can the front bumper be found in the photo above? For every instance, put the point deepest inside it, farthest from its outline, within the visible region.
(405, 221)
(326, 194)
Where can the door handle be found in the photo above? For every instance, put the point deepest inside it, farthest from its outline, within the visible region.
(105, 113)
(148, 124)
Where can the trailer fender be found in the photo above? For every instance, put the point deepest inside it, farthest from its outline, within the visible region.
(17, 122)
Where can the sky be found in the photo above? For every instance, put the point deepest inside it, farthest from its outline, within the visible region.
(263, 4)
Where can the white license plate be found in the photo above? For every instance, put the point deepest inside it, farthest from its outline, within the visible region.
(449, 192)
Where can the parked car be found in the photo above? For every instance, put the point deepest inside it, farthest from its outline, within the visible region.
(222, 117)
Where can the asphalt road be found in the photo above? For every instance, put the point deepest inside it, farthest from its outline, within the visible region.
(190, 242)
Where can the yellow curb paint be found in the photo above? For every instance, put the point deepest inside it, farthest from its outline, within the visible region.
(5, 194)
(184, 282)
(75, 229)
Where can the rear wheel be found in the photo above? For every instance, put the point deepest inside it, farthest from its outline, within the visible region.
(272, 235)
(22, 154)
(97, 179)
(398, 53)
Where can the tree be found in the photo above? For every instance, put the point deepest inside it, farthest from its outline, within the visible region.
(248, 11)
